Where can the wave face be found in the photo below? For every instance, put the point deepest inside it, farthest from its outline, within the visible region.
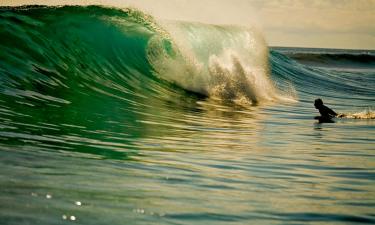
(109, 115)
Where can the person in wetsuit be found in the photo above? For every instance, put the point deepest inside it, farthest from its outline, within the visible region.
(326, 114)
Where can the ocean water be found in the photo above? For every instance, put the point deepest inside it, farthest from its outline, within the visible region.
(110, 116)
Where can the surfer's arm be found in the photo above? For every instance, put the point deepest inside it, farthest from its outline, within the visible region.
(331, 112)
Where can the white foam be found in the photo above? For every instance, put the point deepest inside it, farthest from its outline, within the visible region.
(366, 114)
(225, 62)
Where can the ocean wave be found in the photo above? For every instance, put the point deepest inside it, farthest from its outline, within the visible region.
(334, 59)
(110, 50)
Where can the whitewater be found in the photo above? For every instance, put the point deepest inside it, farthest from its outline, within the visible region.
(112, 116)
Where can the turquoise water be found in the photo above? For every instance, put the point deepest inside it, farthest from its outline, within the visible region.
(109, 116)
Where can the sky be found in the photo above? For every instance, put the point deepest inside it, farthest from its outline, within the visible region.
(348, 24)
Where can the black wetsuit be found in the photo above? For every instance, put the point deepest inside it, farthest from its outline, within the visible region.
(326, 112)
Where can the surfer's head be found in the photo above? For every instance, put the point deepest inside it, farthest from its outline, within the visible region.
(318, 103)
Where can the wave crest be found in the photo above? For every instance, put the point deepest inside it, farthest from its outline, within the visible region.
(224, 62)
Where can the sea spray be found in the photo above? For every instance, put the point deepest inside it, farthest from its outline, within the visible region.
(225, 62)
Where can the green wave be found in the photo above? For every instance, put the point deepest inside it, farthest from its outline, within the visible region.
(73, 77)
(74, 68)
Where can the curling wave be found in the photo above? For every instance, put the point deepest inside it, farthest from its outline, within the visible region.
(115, 50)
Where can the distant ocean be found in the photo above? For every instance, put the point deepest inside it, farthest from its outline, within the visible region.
(109, 116)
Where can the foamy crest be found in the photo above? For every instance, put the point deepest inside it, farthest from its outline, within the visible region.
(232, 79)
(223, 62)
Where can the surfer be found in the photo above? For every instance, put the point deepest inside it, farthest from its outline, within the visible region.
(326, 114)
